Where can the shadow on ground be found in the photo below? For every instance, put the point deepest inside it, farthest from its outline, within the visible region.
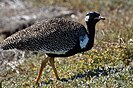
(87, 73)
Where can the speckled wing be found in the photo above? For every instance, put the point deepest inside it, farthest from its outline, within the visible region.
(56, 36)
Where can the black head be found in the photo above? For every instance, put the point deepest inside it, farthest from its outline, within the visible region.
(93, 17)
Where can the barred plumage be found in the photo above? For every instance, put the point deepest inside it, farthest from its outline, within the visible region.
(57, 34)
(55, 37)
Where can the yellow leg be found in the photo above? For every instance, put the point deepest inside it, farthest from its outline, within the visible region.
(43, 65)
(51, 60)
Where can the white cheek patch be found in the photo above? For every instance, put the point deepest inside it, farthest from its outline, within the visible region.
(83, 41)
(87, 18)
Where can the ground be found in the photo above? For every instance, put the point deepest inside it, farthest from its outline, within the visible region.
(109, 64)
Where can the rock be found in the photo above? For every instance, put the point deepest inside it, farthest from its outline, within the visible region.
(18, 14)
(11, 25)
(8, 62)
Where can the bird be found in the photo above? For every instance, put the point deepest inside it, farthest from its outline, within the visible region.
(55, 37)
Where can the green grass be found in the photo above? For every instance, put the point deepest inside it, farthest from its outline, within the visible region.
(109, 64)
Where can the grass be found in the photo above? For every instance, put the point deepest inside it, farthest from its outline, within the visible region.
(109, 64)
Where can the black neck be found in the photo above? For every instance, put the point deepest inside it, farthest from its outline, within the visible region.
(91, 32)
(91, 29)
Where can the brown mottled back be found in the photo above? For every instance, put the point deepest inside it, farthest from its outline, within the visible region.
(53, 35)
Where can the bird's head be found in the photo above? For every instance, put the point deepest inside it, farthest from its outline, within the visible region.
(93, 17)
